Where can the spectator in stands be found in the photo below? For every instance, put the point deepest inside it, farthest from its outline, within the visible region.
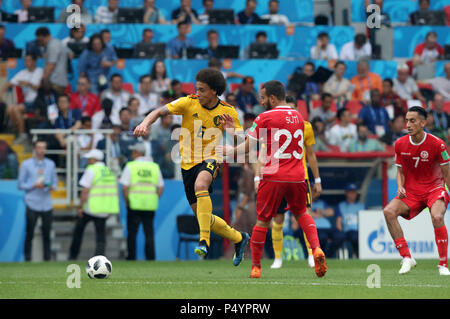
(6, 45)
(248, 15)
(440, 117)
(207, 7)
(338, 86)
(246, 97)
(95, 63)
(37, 177)
(107, 14)
(323, 50)
(347, 216)
(148, 101)
(365, 81)
(153, 15)
(87, 141)
(177, 89)
(405, 86)
(324, 111)
(133, 107)
(428, 51)
(177, 47)
(160, 80)
(76, 35)
(147, 38)
(117, 95)
(424, 6)
(29, 80)
(34, 47)
(357, 49)
(127, 137)
(213, 43)
(274, 16)
(374, 115)
(217, 64)
(118, 146)
(56, 57)
(45, 106)
(382, 17)
(308, 89)
(260, 37)
(22, 14)
(85, 16)
(319, 133)
(106, 37)
(344, 132)
(391, 101)
(441, 85)
(8, 161)
(330, 237)
(363, 143)
(431, 127)
(87, 102)
(162, 131)
(185, 14)
(397, 130)
(68, 119)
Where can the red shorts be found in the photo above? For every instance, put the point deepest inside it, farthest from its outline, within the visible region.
(271, 193)
(418, 203)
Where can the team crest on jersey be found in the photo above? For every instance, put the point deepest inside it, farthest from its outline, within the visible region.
(217, 120)
(424, 154)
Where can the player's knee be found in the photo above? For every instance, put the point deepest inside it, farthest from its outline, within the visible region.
(389, 212)
(200, 186)
(437, 220)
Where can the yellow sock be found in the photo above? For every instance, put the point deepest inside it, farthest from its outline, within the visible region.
(221, 228)
(204, 211)
(277, 239)
(308, 246)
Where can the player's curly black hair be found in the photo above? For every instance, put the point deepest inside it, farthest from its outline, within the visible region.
(213, 78)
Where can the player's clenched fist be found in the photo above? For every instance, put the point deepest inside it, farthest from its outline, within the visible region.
(401, 192)
(141, 129)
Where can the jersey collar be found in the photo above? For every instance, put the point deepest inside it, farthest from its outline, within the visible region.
(283, 107)
(417, 144)
(210, 109)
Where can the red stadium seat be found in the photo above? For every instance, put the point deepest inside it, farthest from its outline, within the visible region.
(353, 107)
(128, 87)
(426, 86)
(447, 107)
(318, 103)
(188, 87)
(234, 86)
(447, 14)
(303, 109)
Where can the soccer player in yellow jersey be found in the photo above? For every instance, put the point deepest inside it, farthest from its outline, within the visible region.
(277, 224)
(205, 118)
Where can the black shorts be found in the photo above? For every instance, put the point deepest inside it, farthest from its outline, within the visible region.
(282, 209)
(190, 176)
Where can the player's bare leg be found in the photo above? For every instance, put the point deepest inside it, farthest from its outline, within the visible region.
(391, 213)
(277, 240)
(437, 212)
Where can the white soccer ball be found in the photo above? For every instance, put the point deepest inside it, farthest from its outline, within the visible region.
(99, 267)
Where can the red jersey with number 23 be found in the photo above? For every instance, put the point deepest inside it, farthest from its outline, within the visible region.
(281, 129)
(421, 163)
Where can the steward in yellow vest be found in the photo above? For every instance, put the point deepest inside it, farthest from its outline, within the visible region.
(99, 198)
(142, 185)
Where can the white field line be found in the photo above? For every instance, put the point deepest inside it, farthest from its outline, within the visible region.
(256, 282)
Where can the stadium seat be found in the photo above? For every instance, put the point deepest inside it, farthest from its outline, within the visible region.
(234, 86)
(303, 109)
(353, 107)
(318, 103)
(425, 86)
(447, 106)
(447, 14)
(128, 87)
(188, 231)
(188, 87)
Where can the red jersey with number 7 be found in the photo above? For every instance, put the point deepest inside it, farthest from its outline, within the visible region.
(421, 163)
(281, 130)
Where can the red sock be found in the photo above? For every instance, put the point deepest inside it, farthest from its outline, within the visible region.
(441, 236)
(257, 244)
(308, 226)
(402, 247)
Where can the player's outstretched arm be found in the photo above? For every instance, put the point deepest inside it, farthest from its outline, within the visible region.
(142, 129)
(401, 192)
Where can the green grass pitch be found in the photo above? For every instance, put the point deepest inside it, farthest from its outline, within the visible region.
(219, 279)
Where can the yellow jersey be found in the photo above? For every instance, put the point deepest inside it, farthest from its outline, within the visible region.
(201, 129)
(308, 140)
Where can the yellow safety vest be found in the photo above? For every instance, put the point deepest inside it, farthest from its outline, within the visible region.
(103, 195)
(143, 189)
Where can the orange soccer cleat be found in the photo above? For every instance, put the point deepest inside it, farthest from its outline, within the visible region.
(320, 264)
(256, 272)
